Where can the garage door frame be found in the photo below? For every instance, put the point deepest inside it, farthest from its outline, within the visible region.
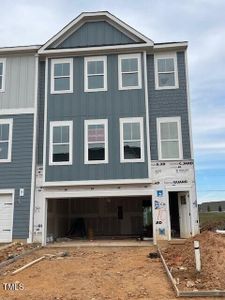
(12, 193)
(91, 193)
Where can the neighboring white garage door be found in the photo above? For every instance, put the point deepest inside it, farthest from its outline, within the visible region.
(6, 217)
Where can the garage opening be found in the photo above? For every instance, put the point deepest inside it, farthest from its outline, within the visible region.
(180, 220)
(90, 218)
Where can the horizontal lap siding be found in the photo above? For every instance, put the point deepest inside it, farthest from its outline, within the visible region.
(17, 174)
(168, 103)
(111, 105)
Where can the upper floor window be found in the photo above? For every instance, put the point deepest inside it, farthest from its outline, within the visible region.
(61, 141)
(131, 140)
(5, 139)
(95, 74)
(166, 76)
(96, 141)
(169, 138)
(2, 74)
(129, 68)
(62, 76)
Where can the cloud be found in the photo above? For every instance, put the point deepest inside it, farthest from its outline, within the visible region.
(201, 22)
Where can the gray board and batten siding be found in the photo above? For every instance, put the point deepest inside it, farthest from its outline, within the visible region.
(112, 105)
(168, 103)
(20, 82)
(18, 173)
(95, 34)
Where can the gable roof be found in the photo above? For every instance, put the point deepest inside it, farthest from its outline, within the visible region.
(69, 29)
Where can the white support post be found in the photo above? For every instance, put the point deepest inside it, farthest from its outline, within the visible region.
(197, 256)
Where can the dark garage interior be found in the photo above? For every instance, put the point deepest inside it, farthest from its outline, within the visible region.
(118, 217)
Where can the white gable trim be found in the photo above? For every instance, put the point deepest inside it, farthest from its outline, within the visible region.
(95, 14)
(96, 50)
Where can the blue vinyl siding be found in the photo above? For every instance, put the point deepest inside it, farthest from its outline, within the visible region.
(112, 105)
(17, 174)
(95, 34)
(168, 103)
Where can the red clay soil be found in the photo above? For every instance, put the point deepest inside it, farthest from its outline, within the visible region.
(180, 259)
(89, 274)
(14, 250)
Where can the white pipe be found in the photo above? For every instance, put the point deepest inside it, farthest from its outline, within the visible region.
(220, 231)
(197, 256)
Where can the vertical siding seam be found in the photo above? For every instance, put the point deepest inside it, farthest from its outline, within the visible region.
(34, 152)
(45, 117)
(188, 104)
(147, 114)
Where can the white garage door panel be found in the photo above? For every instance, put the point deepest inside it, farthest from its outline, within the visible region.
(6, 218)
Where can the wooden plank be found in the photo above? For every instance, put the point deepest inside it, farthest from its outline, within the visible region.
(28, 265)
(9, 261)
(210, 293)
(172, 280)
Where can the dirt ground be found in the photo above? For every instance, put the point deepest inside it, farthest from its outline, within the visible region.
(182, 261)
(117, 273)
(14, 250)
(90, 273)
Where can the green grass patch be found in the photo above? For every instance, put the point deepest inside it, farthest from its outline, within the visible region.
(211, 217)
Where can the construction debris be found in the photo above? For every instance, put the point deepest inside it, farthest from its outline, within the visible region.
(153, 255)
(15, 249)
(28, 265)
(181, 261)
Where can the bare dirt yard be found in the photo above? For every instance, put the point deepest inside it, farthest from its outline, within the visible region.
(95, 273)
(180, 259)
(90, 273)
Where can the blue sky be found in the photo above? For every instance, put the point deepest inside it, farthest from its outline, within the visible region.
(201, 22)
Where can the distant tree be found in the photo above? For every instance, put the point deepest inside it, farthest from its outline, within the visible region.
(219, 208)
(208, 208)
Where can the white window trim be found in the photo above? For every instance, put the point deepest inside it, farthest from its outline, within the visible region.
(61, 61)
(3, 60)
(172, 55)
(167, 120)
(95, 58)
(127, 56)
(95, 122)
(132, 120)
(57, 124)
(10, 123)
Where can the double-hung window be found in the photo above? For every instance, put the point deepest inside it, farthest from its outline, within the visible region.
(2, 74)
(5, 140)
(166, 75)
(61, 141)
(62, 76)
(169, 138)
(129, 68)
(95, 74)
(96, 141)
(131, 140)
